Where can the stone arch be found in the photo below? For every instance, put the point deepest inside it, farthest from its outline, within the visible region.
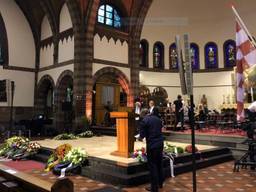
(122, 79)
(61, 12)
(62, 84)
(45, 83)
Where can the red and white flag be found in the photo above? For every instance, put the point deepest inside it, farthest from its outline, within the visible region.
(245, 58)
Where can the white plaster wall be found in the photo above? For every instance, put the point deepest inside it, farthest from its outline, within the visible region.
(65, 19)
(109, 50)
(213, 85)
(24, 87)
(45, 29)
(46, 56)
(20, 39)
(56, 72)
(66, 49)
(203, 20)
(96, 67)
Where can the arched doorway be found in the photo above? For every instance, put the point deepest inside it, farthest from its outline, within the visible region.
(64, 102)
(45, 96)
(111, 92)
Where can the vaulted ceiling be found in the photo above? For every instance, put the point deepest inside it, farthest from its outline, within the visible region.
(36, 10)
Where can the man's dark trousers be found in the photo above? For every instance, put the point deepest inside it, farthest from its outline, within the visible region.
(155, 164)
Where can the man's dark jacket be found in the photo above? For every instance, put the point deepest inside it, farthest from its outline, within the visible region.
(151, 128)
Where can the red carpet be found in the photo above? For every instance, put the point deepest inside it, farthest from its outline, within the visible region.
(215, 131)
(25, 165)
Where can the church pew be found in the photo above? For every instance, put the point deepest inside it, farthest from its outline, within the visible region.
(31, 183)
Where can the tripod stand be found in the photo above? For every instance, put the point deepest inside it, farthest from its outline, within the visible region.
(248, 158)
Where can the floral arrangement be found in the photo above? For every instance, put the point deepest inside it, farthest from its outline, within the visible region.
(86, 134)
(140, 155)
(14, 146)
(57, 156)
(65, 136)
(33, 147)
(3, 149)
(76, 156)
(172, 149)
(188, 149)
(16, 141)
(17, 148)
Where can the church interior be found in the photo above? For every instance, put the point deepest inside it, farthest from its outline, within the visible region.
(75, 75)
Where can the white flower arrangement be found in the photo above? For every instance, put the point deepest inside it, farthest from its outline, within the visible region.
(76, 156)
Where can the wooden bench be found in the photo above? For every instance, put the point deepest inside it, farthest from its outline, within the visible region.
(30, 183)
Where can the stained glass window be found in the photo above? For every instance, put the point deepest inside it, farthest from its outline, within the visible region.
(158, 55)
(211, 55)
(143, 53)
(229, 49)
(109, 16)
(173, 56)
(194, 51)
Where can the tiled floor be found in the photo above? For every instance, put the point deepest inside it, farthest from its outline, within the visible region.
(219, 178)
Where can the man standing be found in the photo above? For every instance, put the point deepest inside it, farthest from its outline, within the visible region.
(151, 128)
(179, 111)
(152, 109)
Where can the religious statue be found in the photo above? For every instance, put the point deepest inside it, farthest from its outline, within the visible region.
(204, 101)
(231, 54)
(228, 99)
(141, 55)
(156, 57)
(224, 99)
(69, 95)
(211, 56)
(174, 58)
(233, 99)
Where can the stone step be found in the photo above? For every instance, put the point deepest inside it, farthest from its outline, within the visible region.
(119, 178)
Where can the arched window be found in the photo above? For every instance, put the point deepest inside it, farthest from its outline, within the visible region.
(158, 55)
(211, 55)
(194, 50)
(108, 15)
(173, 56)
(143, 53)
(229, 49)
(3, 43)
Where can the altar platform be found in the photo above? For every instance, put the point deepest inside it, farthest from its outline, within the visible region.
(103, 146)
(122, 171)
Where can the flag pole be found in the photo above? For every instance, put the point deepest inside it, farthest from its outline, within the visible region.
(243, 26)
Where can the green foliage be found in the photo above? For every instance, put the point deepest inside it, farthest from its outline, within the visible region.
(168, 148)
(85, 122)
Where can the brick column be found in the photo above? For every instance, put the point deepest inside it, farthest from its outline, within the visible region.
(83, 57)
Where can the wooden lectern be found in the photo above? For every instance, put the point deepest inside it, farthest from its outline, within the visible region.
(125, 129)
